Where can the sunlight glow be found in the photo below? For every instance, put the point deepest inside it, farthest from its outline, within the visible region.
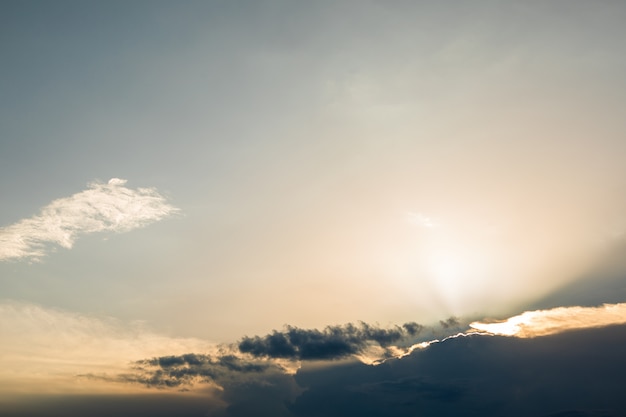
(457, 270)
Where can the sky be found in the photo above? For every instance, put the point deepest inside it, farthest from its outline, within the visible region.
(288, 208)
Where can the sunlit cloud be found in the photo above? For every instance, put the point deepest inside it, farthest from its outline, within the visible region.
(101, 207)
(556, 320)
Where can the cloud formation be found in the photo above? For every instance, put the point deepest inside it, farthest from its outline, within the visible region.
(333, 342)
(479, 376)
(190, 369)
(556, 320)
(101, 207)
(43, 349)
(483, 376)
(285, 351)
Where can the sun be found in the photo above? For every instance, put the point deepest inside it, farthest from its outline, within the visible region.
(446, 268)
(458, 271)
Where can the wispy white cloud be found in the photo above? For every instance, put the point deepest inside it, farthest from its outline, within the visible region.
(421, 220)
(101, 207)
(556, 320)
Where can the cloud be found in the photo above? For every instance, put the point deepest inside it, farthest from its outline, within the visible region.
(471, 376)
(43, 349)
(333, 342)
(233, 385)
(450, 322)
(285, 352)
(480, 375)
(556, 320)
(255, 360)
(421, 220)
(101, 207)
(191, 369)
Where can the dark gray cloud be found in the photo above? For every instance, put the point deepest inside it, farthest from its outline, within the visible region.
(246, 386)
(577, 373)
(189, 369)
(450, 322)
(333, 342)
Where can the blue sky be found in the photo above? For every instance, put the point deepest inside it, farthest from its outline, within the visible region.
(188, 174)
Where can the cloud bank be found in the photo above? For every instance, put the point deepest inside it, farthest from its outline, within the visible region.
(483, 373)
(44, 348)
(286, 351)
(473, 376)
(101, 207)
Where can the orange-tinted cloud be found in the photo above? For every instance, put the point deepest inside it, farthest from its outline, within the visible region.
(556, 320)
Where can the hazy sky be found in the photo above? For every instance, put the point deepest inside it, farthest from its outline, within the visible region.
(180, 175)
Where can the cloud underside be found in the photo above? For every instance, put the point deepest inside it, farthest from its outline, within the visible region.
(101, 207)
